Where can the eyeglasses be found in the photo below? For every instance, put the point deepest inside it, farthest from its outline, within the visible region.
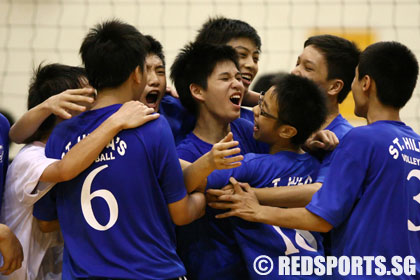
(262, 112)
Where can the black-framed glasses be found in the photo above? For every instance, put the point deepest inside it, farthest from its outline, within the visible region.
(262, 112)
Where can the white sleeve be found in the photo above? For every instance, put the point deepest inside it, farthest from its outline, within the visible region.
(27, 169)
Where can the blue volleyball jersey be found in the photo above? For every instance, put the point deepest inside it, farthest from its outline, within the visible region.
(4, 152)
(182, 121)
(207, 246)
(247, 114)
(114, 215)
(255, 239)
(340, 126)
(191, 148)
(370, 194)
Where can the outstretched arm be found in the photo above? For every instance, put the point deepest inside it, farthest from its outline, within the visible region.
(287, 196)
(131, 114)
(219, 157)
(244, 204)
(60, 105)
(10, 249)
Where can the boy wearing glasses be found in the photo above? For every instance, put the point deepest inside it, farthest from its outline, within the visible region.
(329, 61)
(209, 84)
(373, 185)
(279, 122)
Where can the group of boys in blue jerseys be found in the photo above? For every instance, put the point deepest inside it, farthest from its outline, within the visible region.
(152, 205)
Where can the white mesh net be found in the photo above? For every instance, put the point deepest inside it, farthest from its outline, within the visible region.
(32, 31)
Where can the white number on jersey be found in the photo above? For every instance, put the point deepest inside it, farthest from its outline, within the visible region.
(290, 248)
(416, 174)
(87, 196)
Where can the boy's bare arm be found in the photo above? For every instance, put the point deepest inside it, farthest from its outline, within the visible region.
(131, 114)
(244, 204)
(251, 98)
(10, 249)
(60, 105)
(287, 196)
(188, 209)
(48, 226)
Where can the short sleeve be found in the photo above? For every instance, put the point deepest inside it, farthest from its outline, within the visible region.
(323, 169)
(167, 163)
(28, 168)
(45, 208)
(343, 183)
(185, 154)
(220, 178)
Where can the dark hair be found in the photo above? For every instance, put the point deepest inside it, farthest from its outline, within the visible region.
(194, 65)
(394, 68)
(301, 104)
(47, 81)
(221, 30)
(341, 56)
(155, 47)
(266, 81)
(111, 51)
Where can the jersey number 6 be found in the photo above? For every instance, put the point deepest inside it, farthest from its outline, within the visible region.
(87, 196)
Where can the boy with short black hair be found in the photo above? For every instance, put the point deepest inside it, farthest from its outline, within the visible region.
(247, 43)
(31, 174)
(329, 61)
(372, 186)
(155, 87)
(341, 56)
(280, 123)
(221, 30)
(209, 85)
(208, 81)
(137, 175)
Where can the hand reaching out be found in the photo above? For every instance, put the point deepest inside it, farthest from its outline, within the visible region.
(70, 102)
(221, 155)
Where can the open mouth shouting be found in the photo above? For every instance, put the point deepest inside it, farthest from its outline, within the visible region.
(236, 99)
(151, 98)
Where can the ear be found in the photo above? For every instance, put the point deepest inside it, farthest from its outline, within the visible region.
(336, 85)
(367, 83)
(197, 92)
(137, 75)
(286, 131)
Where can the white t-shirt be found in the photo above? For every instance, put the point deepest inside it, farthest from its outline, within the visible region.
(21, 191)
